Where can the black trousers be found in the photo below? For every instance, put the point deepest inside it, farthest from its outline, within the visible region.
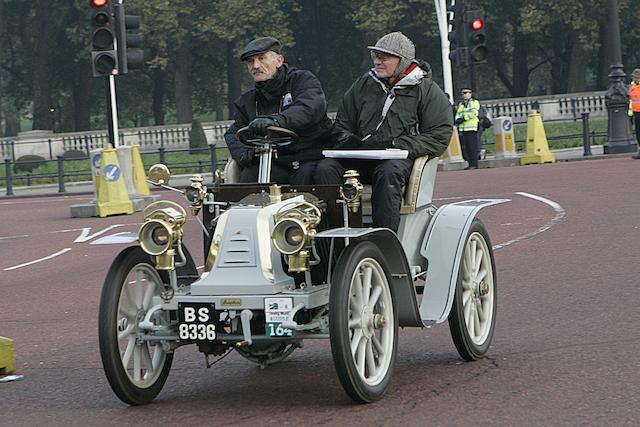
(387, 179)
(283, 173)
(469, 142)
(636, 119)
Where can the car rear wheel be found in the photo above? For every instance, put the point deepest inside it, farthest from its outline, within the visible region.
(473, 314)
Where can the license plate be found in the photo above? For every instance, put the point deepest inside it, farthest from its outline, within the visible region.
(276, 311)
(196, 321)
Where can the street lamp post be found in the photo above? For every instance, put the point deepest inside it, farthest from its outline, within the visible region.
(619, 138)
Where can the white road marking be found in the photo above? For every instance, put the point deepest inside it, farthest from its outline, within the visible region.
(71, 230)
(63, 251)
(39, 200)
(85, 236)
(13, 237)
(559, 217)
(67, 231)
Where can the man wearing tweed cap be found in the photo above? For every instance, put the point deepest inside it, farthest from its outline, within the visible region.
(394, 105)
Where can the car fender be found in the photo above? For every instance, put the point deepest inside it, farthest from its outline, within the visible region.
(442, 246)
(186, 274)
(402, 288)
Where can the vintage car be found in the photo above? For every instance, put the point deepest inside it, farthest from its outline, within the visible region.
(285, 264)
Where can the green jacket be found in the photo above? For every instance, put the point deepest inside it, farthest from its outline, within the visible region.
(418, 115)
(468, 115)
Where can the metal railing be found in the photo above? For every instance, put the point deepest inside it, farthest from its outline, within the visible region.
(61, 173)
(587, 136)
(551, 108)
(49, 145)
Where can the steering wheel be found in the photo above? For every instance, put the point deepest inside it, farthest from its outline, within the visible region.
(275, 135)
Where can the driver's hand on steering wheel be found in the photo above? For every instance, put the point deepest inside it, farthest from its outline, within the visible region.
(258, 126)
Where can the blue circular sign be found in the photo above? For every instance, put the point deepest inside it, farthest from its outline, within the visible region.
(95, 161)
(507, 125)
(111, 173)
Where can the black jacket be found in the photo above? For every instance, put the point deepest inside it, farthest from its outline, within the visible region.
(296, 100)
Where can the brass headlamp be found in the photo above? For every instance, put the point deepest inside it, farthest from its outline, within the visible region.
(351, 190)
(161, 230)
(293, 234)
(196, 193)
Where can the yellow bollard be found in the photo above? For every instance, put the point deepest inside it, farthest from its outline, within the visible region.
(7, 356)
(112, 192)
(453, 153)
(505, 142)
(96, 159)
(139, 174)
(537, 147)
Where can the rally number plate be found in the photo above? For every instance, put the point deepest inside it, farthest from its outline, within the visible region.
(196, 321)
(276, 311)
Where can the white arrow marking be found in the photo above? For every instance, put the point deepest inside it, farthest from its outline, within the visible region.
(110, 173)
(65, 250)
(85, 236)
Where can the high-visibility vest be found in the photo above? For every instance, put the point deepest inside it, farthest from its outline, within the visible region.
(634, 98)
(470, 114)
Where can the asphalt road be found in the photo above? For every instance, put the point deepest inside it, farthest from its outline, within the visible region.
(564, 350)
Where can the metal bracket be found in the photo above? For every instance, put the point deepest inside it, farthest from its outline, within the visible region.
(245, 317)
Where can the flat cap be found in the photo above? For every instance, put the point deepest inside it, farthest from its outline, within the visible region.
(260, 45)
(396, 44)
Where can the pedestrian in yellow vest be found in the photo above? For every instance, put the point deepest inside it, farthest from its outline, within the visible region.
(634, 105)
(467, 120)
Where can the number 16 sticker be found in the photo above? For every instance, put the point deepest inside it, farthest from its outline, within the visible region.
(276, 311)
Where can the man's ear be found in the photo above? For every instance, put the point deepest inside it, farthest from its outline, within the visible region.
(279, 60)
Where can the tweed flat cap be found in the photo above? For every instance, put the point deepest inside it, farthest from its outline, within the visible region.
(260, 45)
(396, 44)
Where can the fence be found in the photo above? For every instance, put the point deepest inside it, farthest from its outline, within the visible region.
(551, 108)
(49, 145)
(57, 170)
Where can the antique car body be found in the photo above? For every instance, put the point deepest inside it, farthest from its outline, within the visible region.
(285, 264)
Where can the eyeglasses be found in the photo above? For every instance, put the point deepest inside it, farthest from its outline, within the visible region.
(381, 56)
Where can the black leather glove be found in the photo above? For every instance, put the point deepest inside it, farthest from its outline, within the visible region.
(376, 143)
(246, 158)
(258, 126)
(459, 120)
(351, 143)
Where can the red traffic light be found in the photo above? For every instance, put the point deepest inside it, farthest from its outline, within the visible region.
(99, 3)
(477, 24)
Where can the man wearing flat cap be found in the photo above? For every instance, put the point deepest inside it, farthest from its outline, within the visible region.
(394, 105)
(284, 97)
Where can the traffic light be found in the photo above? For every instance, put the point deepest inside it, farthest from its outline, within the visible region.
(476, 37)
(129, 53)
(104, 60)
(458, 53)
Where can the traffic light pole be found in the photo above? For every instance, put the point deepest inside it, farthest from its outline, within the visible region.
(443, 27)
(112, 111)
